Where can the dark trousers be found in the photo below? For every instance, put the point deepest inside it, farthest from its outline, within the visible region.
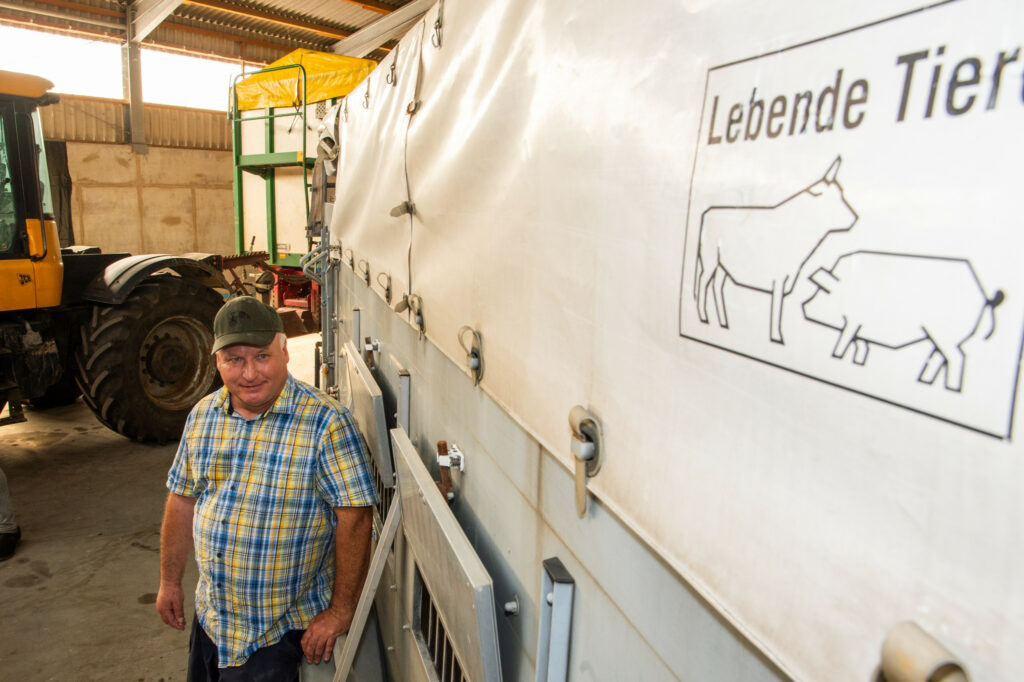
(275, 663)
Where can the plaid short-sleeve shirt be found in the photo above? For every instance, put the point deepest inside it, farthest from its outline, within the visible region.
(264, 523)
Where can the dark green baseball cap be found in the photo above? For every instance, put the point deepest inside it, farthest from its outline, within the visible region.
(245, 320)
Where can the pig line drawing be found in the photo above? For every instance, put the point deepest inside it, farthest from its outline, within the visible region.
(765, 247)
(895, 300)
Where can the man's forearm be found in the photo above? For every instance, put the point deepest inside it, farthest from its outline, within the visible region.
(352, 556)
(351, 559)
(176, 537)
(175, 542)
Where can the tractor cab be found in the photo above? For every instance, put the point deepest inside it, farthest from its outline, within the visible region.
(30, 259)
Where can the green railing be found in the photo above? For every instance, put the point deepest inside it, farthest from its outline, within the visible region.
(265, 165)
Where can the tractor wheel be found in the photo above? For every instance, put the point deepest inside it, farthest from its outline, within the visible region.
(143, 364)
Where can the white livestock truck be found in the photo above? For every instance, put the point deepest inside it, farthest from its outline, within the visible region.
(717, 308)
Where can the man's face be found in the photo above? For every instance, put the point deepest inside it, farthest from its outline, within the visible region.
(254, 376)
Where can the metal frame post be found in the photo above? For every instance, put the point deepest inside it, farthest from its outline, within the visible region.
(131, 85)
(555, 627)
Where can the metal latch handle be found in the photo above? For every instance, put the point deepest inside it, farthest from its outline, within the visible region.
(586, 445)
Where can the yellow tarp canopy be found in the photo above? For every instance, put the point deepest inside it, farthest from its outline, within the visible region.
(327, 76)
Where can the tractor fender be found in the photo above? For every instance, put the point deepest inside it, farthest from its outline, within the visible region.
(118, 279)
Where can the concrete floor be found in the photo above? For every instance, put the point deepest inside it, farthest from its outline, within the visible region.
(77, 599)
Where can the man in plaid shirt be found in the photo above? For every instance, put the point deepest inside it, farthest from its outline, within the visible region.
(271, 486)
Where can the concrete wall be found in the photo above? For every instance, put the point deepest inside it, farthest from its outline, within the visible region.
(166, 201)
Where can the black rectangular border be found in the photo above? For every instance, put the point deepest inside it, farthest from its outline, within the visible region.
(1008, 435)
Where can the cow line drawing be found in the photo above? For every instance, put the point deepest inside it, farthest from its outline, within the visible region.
(895, 300)
(765, 247)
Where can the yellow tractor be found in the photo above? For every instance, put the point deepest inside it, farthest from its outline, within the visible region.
(129, 333)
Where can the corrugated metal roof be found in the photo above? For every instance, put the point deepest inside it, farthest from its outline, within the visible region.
(250, 27)
(303, 23)
(329, 12)
(254, 30)
(210, 40)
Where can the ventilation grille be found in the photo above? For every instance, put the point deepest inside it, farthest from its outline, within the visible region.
(435, 637)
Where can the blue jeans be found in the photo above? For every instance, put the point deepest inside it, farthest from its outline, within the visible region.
(275, 663)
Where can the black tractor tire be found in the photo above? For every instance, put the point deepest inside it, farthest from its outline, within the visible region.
(143, 364)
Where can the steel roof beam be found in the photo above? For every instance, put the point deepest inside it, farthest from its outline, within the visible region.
(148, 14)
(106, 23)
(79, 7)
(372, 5)
(368, 39)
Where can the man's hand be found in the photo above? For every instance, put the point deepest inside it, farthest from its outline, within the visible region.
(323, 630)
(175, 543)
(351, 558)
(170, 601)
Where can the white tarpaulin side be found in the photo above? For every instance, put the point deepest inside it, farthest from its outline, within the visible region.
(371, 173)
(774, 248)
(498, 236)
